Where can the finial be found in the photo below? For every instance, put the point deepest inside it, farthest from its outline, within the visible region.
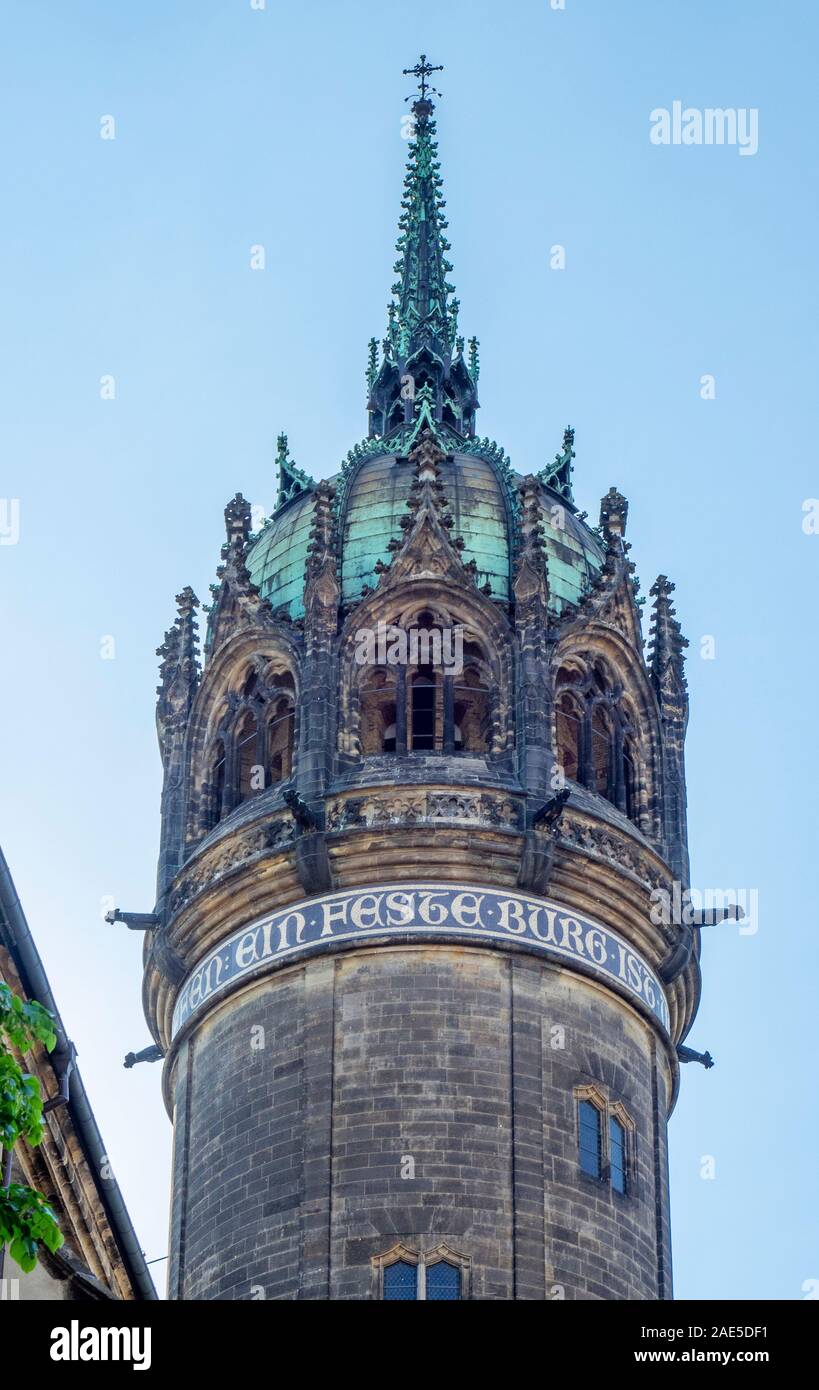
(474, 360)
(237, 520)
(422, 71)
(613, 514)
(372, 363)
(186, 602)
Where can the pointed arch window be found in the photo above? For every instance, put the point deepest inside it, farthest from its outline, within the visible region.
(594, 736)
(605, 1139)
(439, 1275)
(425, 704)
(401, 1281)
(254, 747)
(590, 1138)
(618, 1154)
(444, 1281)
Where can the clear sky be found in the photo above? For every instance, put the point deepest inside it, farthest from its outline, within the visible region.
(130, 257)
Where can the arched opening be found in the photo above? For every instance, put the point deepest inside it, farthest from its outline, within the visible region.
(280, 728)
(423, 709)
(630, 777)
(378, 712)
(602, 752)
(596, 742)
(250, 770)
(569, 730)
(433, 694)
(216, 785)
(471, 712)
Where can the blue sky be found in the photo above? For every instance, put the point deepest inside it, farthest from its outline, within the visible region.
(281, 127)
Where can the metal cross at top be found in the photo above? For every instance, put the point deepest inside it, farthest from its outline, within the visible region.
(422, 70)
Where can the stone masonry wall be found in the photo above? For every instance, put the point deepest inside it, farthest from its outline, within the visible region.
(289, 1141)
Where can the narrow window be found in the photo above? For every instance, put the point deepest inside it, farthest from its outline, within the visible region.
(617, 1155)
(378, 712)
(630, 778)
(423, 709)
(246, 755)
(602, 739)
(443, 1281)
(471, 713)
(280, 740)
(590, 1139)
(217, 800)
(568, 737)
(401, 1280)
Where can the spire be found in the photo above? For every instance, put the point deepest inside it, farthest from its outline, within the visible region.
(423, 312)
(666, 657)
(531, 581)
(236, 600)
(179, 670)
(321, 591)
(421, 346)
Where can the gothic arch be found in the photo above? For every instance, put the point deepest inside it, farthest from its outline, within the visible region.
(600, 682)
(243, 729)
(469, 710)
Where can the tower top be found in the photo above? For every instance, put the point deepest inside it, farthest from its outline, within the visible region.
(422, 71)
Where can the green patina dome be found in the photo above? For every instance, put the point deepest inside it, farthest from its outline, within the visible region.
(371, 505)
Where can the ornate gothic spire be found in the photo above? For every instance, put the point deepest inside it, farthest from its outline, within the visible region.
(179, 670)
(423, 312)
(422, 333)
(531, 580)
(666, 657)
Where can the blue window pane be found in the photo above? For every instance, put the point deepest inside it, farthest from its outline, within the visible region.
(443, 1281)
(401, 1280)
(590, 1139)
(617, 1147)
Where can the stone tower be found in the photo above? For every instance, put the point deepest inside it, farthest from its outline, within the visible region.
(419, 1013)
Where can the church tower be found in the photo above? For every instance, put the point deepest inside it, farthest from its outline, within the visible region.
(422, 794)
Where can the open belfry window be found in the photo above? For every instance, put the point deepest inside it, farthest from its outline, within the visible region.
(596, 742)
(253, 749)
(605, 1139)
(428, 703)
(436, 1276)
